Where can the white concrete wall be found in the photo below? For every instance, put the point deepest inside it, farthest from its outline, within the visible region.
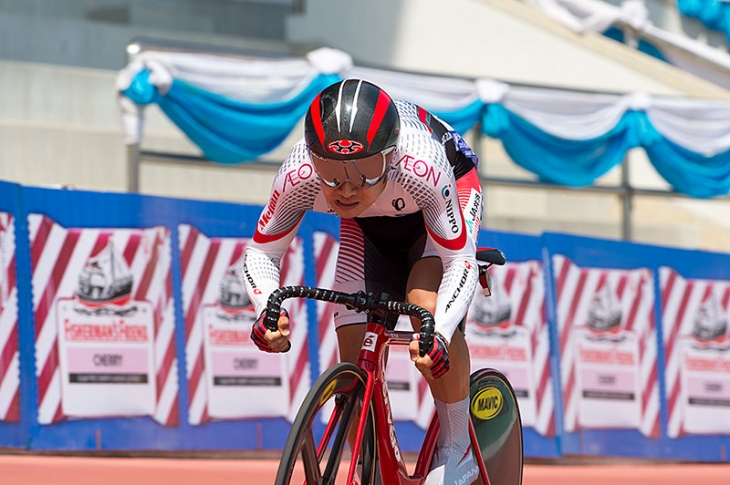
(503, 39)
(61, 126)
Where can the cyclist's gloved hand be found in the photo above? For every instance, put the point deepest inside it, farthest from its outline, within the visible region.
(436, 362)
(269, 341)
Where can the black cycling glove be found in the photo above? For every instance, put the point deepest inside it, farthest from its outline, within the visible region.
(258, 331)
(439, 355)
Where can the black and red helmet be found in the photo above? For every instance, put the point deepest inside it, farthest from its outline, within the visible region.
(351, 119)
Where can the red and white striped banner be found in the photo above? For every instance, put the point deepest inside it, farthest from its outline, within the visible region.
(9, 355)
(695, 315)
(73, 271)
(608, 347)
(223, 364)
(508, 331)
(325, 257)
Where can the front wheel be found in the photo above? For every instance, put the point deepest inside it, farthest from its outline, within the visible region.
(319, 434)
(496, 418)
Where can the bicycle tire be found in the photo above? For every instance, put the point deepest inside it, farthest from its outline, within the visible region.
(496, 418)
(314, 457)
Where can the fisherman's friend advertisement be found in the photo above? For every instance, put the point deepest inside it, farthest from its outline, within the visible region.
(697, 353)
(508, 331)
(228, 376)
(608, 347)
(106, 359)
(104, 316)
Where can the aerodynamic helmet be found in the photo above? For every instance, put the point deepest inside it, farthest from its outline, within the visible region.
(351, 119)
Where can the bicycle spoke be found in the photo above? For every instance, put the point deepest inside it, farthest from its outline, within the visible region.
(319, 436)
(310, 460)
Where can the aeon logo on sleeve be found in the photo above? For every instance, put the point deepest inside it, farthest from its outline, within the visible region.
(419, 168)
(345, 147)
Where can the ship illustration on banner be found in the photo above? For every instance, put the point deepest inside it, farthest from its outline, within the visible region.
(710, 322)
(233, 298)
(493, 312)
(604, 312)
(105, 280)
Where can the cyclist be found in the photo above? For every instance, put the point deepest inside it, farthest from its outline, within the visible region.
(407, 192)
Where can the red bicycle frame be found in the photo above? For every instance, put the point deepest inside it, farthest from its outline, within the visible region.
(392, 467)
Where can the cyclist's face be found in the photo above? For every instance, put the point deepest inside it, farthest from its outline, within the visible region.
(349, 200)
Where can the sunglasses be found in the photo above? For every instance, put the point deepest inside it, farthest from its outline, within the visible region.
(362, 172)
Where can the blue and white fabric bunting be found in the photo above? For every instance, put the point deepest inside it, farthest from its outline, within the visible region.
(714, 14)
(238, 109)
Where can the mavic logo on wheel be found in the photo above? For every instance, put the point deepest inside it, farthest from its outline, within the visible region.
(487, 403)
(368, 343)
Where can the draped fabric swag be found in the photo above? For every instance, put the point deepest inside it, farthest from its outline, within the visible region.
(237, 109)
(715, 14)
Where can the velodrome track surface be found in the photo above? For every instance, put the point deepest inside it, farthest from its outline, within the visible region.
(65, 470)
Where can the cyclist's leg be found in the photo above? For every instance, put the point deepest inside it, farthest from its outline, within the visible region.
(422, 290)
(454, 462)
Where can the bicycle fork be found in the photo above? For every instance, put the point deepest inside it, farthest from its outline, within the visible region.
(360, 428)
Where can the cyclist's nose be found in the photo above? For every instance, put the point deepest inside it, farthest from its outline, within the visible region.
(347, 189)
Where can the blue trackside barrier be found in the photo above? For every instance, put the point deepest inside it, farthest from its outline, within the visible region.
(123, 326)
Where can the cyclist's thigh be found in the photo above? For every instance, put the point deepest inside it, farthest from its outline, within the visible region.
(423, 285)
(349, 341)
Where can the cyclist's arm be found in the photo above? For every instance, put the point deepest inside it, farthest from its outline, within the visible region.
(292, 194)
(446, 228)
(261, 267)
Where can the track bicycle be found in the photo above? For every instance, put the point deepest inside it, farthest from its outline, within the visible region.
(349, 397)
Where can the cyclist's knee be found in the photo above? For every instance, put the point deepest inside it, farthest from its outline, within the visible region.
(349, 340)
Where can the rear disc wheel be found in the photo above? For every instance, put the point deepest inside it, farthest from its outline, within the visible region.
(496, 418)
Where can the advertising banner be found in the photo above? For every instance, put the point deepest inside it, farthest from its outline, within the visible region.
(508, 331)
(608, 347)
(228, 376)
(104, 322)
(695, 314)
(9, 343)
